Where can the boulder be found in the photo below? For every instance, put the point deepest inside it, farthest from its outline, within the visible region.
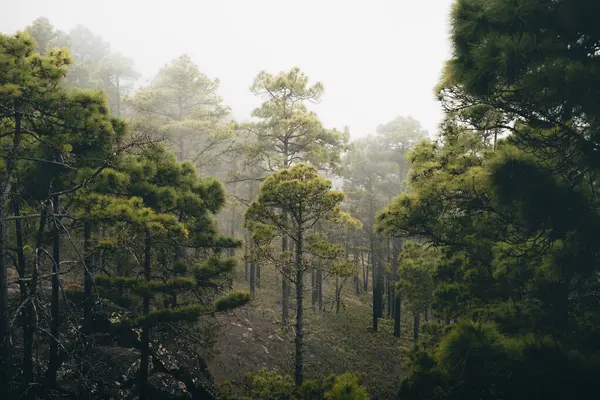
(163, 386)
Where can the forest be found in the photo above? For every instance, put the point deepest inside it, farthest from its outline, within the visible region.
(154, 247)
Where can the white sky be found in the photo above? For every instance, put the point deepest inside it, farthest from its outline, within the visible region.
(377, 58)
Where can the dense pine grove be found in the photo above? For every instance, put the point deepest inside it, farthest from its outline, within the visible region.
(153, 247)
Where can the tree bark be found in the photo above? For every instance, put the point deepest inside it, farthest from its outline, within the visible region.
(376, 287)
(5, 190)
(320, 288)
(87, 278)
(313, 288)
(26, 319)
(145, 336)
(284, 283)
(390, 294)
(397, 313)
(366, 272)
(55, 305)
(252, 272)
(416, 321)
(6, 353)
(357, 276)
(337, 295)
(299, 356)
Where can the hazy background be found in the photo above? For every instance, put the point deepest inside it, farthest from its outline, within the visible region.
(376, 58)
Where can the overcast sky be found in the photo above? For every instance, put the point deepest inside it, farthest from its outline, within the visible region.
(376, 58)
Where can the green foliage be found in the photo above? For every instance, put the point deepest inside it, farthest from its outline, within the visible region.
(181, 105)
(346, 387)
(272, 385)
(287, 132)
(232, 300)
(514, 218)
(189, 314)
(416, 264)
(304, 198)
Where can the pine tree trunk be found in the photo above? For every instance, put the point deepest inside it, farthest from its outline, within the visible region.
(356, 277)
(29, 331)
(5, 348)
(390, 299)
(246, 268)
(416, 321)
(299, 356)
(337, 295)
(320, 288)
(5, 190)
(257, 275)
(26, 319)
(55, 305)
(246, 255)
(426, 314)
(145, 336)
(284, 283)
(252, 272)
(88, 279)
(376, 288)
(313, 288)
(366, 272)
(232, 233)
(397, 313)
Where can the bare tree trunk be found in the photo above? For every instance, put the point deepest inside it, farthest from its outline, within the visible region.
(246, 254)
(246, 263)
(390, 299)
(337, 295)
(299, 356)
(313, 288)
(356, 277)
(397, 313)
(252, 271)
(28, 334)
(55, 305)
(285, 290)
(257, 275)
(145, 336)
(366, 272)
(376, 286)
(320, 288)
(5, 347)
(88, 279)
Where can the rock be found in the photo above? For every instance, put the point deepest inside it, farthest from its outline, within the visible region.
(13, 291)
(113, 366)
(265, 349)
(250, 329)
(163, 386)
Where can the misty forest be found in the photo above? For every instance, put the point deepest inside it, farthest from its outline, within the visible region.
(152, 246)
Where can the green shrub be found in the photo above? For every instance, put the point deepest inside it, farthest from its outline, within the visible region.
(272, 385)
(346, 387)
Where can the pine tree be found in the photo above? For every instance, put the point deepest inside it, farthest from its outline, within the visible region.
(290, 203)
(181, 104)
(169, 213)
(287, 133)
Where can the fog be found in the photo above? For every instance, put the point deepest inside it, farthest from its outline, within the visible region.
(377, 59)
